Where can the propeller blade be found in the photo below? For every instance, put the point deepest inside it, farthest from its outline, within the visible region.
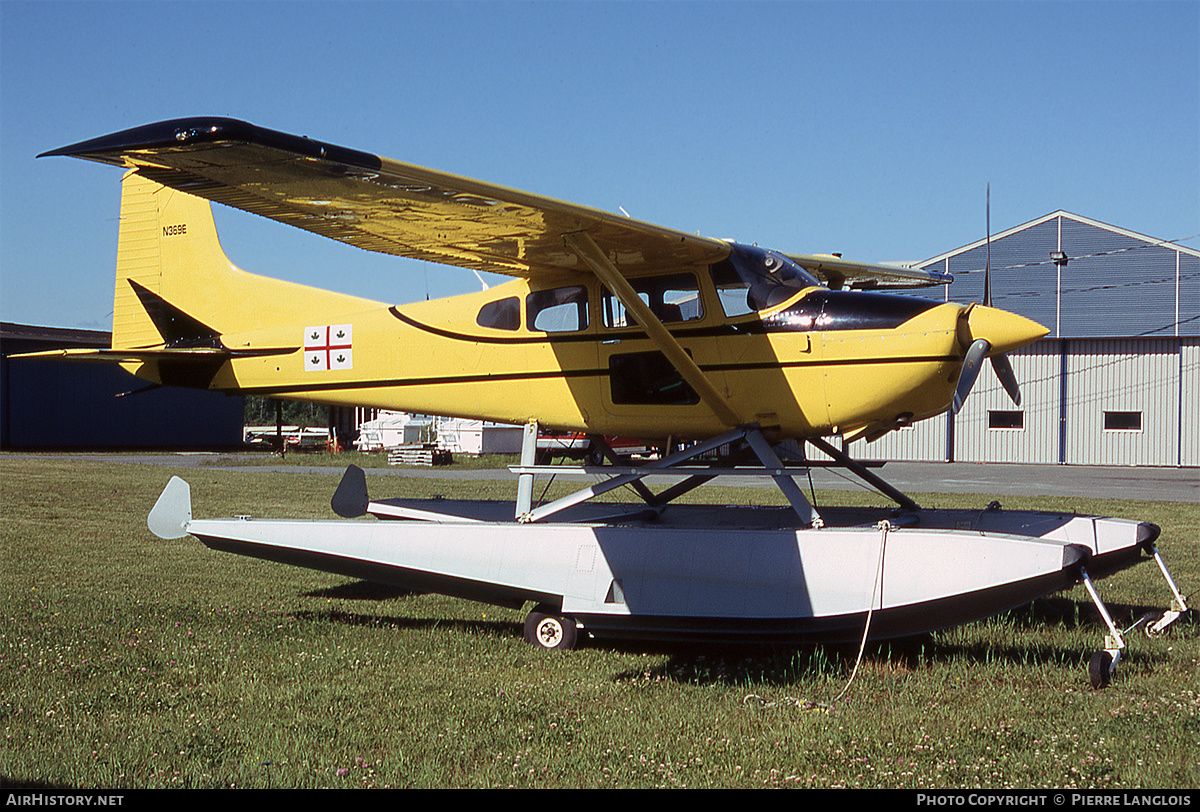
(970, 371)
(1008, 379)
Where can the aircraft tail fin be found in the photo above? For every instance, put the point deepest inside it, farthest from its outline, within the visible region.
(176, 287)
(172, 512)
(167, 243)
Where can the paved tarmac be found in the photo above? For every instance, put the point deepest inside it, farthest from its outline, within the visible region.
(1140, 483)
(1152, 484)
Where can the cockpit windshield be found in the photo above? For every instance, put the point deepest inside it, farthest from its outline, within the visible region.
(764, 278)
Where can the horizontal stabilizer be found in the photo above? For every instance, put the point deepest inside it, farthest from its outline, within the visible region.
(196, 355)
(187, 354)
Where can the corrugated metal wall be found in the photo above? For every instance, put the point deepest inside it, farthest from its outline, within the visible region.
(1067, 387)
(981, 436)
(1118, 380)
(1187, 321)
(1115, 285)
(925, 442)
(1189, 402)
(1123, 378)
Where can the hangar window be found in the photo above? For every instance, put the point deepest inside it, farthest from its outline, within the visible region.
(673, 298)
(1122, 421)
(502, 315)
(999, 419)
(557, 311)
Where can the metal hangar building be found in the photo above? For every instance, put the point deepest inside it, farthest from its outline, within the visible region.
(50, 403)
(1117, 380)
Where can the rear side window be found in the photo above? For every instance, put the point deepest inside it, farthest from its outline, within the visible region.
(502, 315)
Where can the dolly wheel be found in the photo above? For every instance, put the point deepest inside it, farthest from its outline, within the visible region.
(550, 631)
(1100, 669)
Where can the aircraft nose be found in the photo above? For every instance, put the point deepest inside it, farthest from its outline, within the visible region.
(1005, 331)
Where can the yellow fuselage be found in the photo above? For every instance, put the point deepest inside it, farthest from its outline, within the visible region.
(434, 357)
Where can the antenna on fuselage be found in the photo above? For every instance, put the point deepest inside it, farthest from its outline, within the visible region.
(480, 278)
(987, 268)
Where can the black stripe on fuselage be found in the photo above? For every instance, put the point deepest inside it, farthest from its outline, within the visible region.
(580, 373)
(890, 311)
(549, 338)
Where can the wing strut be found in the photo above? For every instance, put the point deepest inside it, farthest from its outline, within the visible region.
(594, 258)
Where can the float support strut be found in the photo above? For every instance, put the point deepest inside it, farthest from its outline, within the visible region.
(861, 471)
(1103, 663)
(528, 458)
(1178, 606)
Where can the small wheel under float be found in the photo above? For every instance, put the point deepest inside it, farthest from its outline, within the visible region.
(1101, 668)
(546, 629)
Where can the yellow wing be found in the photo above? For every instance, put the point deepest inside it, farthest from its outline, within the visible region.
(843, 273)
(384, 205)
(410, 211)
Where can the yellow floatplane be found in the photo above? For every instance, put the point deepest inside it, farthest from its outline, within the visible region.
(609, 326)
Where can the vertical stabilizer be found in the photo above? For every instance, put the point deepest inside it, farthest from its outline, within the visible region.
(166, 247)
(175, 285)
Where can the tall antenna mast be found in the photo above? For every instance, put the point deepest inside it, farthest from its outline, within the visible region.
(987, 268)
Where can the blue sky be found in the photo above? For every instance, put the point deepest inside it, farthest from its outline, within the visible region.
(870, 129)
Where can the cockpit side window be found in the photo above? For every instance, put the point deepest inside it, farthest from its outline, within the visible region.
(752, 279)
(732, 290)
(558, 310)
(504, 314)
(673, 298)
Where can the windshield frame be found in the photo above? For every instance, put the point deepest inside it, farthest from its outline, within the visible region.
(771, 279)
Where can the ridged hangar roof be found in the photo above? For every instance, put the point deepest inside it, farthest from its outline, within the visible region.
(1115, 283)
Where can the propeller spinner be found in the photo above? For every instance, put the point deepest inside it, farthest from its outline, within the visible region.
(988, 332)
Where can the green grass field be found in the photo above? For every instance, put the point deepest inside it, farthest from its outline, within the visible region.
(127, 662)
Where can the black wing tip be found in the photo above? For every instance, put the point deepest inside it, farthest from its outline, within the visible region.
(159, 134)
(190, 132)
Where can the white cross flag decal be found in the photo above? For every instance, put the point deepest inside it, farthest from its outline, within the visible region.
(328, 347)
